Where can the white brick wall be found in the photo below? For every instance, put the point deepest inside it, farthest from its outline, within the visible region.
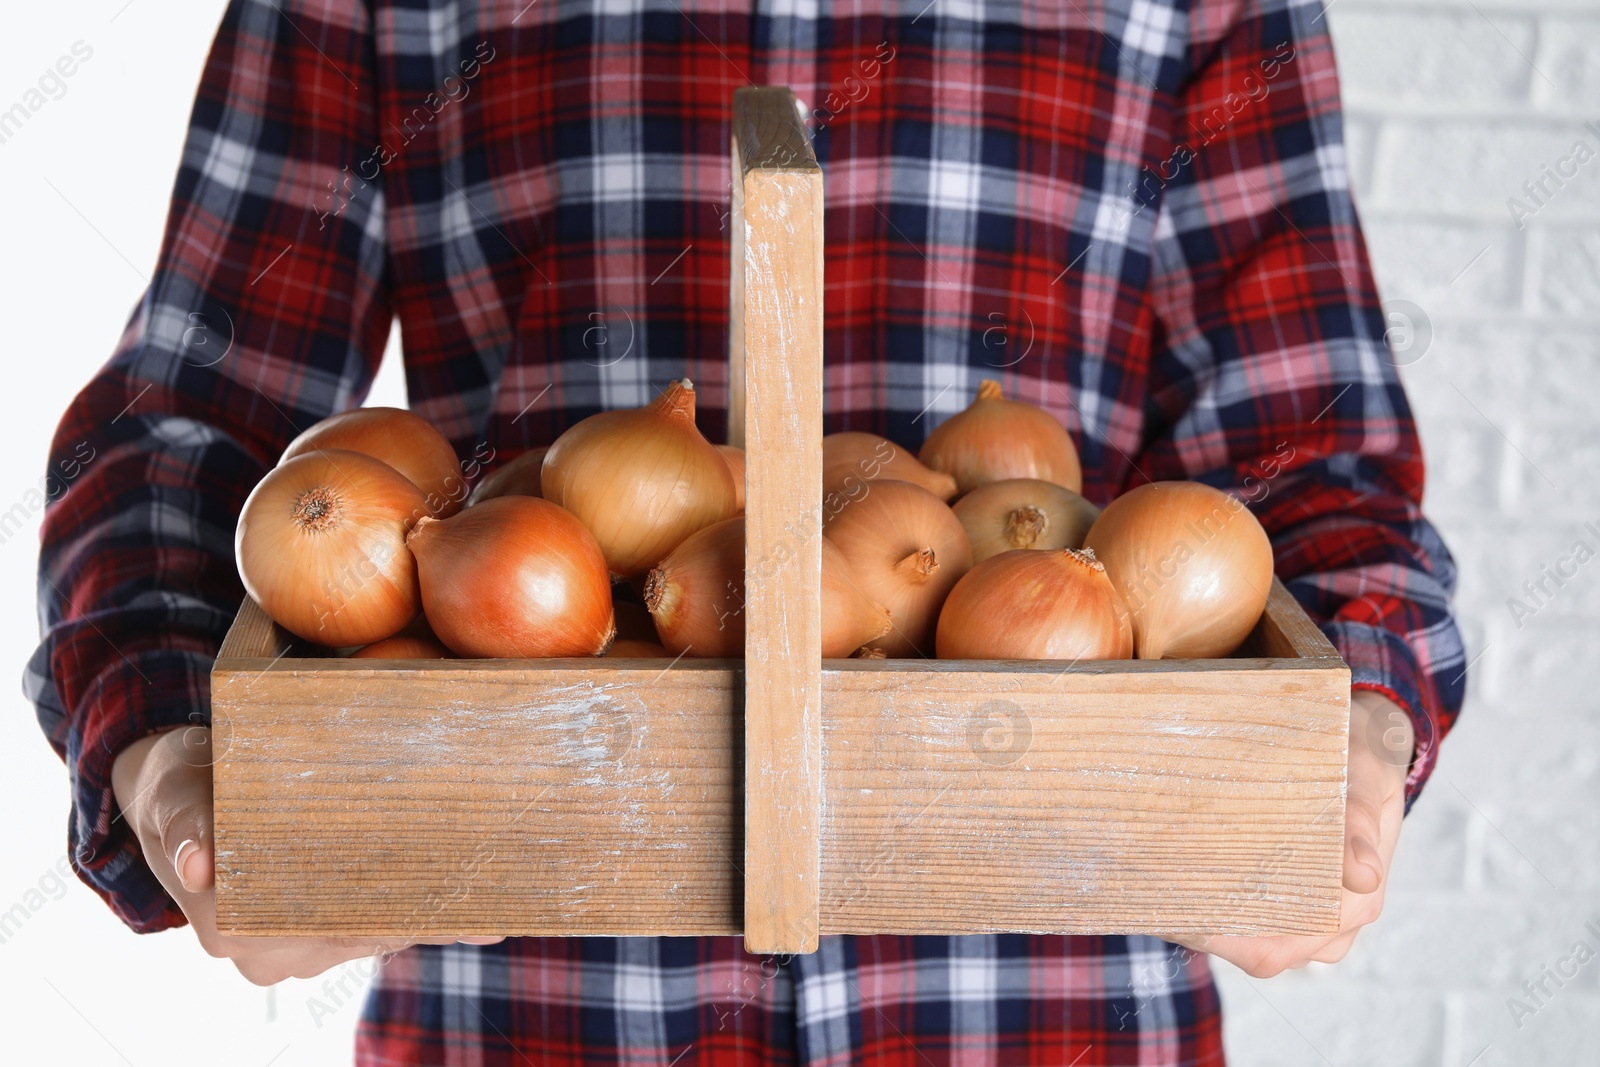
(1451, 106)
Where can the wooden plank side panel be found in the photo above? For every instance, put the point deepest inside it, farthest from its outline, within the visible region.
(462, 800)
(778, 220)
(1083, 802)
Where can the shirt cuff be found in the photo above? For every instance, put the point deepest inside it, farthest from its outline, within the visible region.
(154, 691)
(1380, 660)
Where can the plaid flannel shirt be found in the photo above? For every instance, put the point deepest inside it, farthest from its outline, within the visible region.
(1134, 213)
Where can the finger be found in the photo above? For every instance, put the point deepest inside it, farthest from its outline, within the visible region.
(180, 809)
(1337, 949)
(1363, 866)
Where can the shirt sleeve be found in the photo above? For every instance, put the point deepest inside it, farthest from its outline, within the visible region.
(1270, 373)
(267, 310)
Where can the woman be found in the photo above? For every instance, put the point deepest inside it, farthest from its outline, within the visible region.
(1135, 214)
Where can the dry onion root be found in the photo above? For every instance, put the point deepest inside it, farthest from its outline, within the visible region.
(1192, 563)
(321, 545)
(520, 477)
(850, 460)
(906, 550)
(1023, 513)
(1027, 604)
(515, 577)
(996, 438)
(404, 440)
(641, 480)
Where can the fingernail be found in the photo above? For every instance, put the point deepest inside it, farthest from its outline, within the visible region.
(185, 850)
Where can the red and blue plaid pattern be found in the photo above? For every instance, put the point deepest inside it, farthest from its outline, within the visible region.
(1134, 213)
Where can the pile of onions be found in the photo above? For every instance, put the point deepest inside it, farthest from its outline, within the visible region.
(696, 597)
(996, 438)
(321, 546)
(520, 477)
(735, 458)
(1029, 604)
(851, 459)
(640, 480)
(404, 440)
(515, 577)
(1192, 563)
(906, 549)
(1023, 513)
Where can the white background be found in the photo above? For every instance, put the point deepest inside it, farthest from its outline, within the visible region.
(1452, 105)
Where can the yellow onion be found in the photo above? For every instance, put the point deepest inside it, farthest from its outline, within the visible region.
(735, 458)
(515, 577)
(1023, 513)
(850, 459)
(696, 594)
(905, 549)
(1192, 563)
(632, 648)
(404, 440)
(403, 646)
(321, 546)
(520, 477)
(696, 597)
(1031, 604)
(996, 438)
(641, 480)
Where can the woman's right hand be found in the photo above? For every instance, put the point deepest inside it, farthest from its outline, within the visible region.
(162, 784)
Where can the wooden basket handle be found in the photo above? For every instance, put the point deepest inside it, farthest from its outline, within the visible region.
(775, 414)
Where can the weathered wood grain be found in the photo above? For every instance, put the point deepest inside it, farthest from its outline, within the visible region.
(777, 338)
(430, 797)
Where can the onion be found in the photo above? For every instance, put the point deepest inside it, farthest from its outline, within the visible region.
(906, 550)
(321, 547)
(696, 594)
(735, 458)
(1028, 604)
(849, 459)
(632, 648)
(640, 480)
(404, 647)
(520, 477)
(515, 577)
(850, 618)
(696, 597)
(1023, 513)
(996, 438)
(404, 440)
(1192, 563)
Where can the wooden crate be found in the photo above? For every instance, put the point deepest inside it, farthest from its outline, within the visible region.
(782, 796)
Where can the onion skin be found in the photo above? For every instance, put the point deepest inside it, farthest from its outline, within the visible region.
(404, 647)
(696, 597)
(632, 648)
(520, 477)
(851, 458)
(1023, 513)
(1192, 563)
(906, 550)
(1035, 605)
(735, 458)
(850, 618)
(641, 480)
(321, 547)
(995, 439)
(404, 440)
(696, 594)
(515, 577)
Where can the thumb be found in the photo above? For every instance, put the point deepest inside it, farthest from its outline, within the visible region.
(1363, 866)
(180, 807)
